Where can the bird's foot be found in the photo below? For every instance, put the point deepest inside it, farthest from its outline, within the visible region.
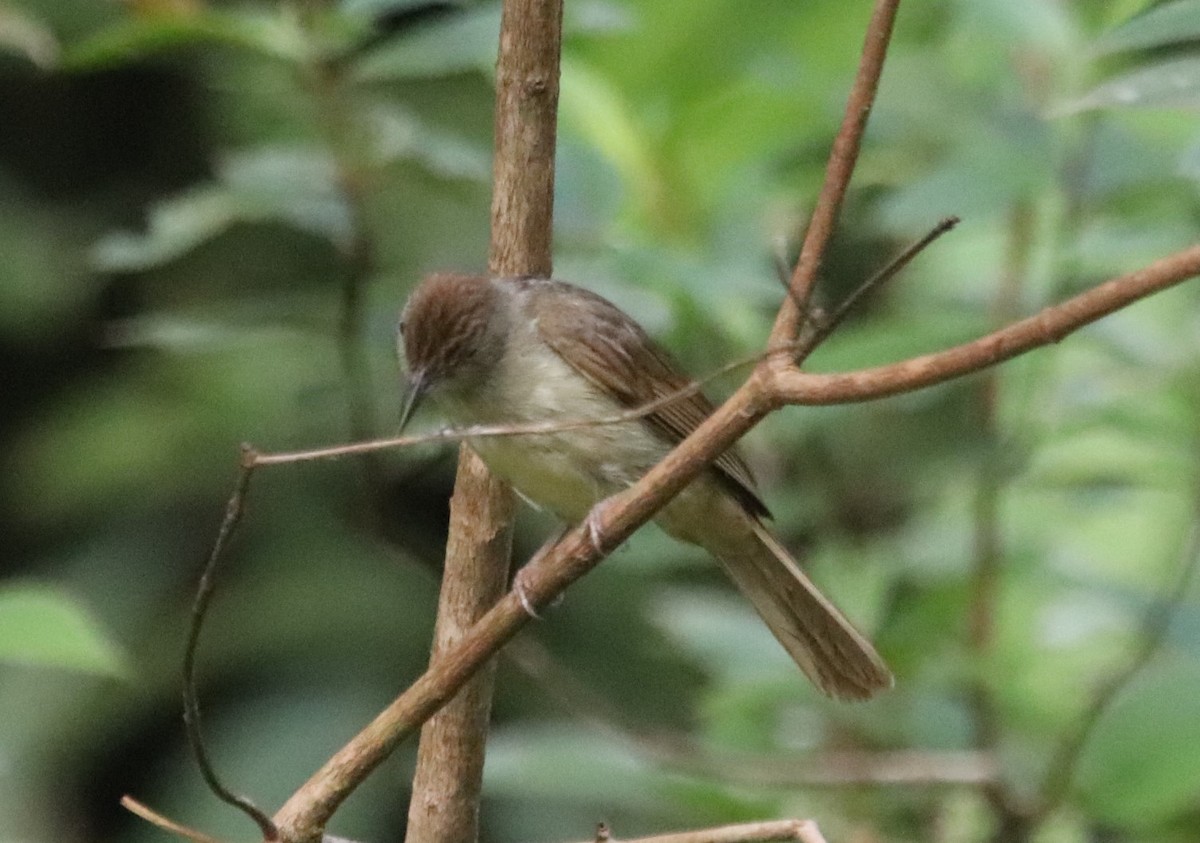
(593, 525)
(519, 588)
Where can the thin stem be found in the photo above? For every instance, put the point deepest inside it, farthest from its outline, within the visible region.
(842, 158)
(806, 831)
(1050, 325)
(1155, 625)
(234, 510)
(988, 552)
(825, 328)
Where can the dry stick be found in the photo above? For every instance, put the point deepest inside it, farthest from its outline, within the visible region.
(1047, 326)
(680, 751)
(449, 771)
(151, 816)
(805, 831)
(894, 267)
(1155, 625)
(305, 814)
(449, 774)
(988, 552)
(234, 510)
(797, 348)
(842, 158)
(616, 518)
(458, 434)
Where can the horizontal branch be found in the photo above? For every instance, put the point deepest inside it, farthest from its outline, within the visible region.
(805, 831)
(902, 768)
(615, 519)
(1049, 326)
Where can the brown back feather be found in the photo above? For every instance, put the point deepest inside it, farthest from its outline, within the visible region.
(621, 359)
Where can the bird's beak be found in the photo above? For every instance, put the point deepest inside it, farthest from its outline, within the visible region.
(418, 385)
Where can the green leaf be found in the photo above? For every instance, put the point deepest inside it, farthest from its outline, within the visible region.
(378, 8)
(272, 36)
(25, 35)
(1143, 762)
(176, 226)
(42, 626)
(296, 186)
(548, 761)
(1174, 83)
(465, 41)
(401, 135)
(1170, 23)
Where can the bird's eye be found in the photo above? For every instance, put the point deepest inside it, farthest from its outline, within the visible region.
(400, 327)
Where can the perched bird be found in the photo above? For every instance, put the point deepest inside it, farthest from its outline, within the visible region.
(521, 350)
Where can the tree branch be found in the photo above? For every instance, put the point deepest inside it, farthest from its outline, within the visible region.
(1061, 771)
(842, 158)
(556, 567)
(773, 383)
(449, 774)
(805, 831)
(1048, 326)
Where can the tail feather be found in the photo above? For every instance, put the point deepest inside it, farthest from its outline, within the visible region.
(831, 652)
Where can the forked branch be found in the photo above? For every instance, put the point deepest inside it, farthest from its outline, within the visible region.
(775, 382)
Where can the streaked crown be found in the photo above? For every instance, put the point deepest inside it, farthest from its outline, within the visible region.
(445, 325)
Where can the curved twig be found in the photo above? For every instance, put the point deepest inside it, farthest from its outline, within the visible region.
(234, 510)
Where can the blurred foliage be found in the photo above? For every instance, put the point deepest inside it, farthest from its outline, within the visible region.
(197, 197)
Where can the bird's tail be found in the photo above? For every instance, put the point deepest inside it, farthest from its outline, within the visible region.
(831, 652)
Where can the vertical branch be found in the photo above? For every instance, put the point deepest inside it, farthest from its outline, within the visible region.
(988, 550)
(1156, 624)
(358, 255)
(324, 80)
(842, 159)
(526, 120)
(446, 788)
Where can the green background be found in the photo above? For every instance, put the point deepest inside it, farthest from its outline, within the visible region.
(189, 189)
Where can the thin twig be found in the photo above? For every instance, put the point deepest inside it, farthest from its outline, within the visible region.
(234, 510)
(1154, 628)
(824, 328)
(527, 429)
(588, 705)
(806, 831)
(988, 548)
(166, 824)
(842, 158)
(1049, 325)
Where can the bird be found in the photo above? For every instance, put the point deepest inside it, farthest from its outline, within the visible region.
(512, 350)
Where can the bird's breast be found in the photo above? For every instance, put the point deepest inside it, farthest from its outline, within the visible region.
(567, 471)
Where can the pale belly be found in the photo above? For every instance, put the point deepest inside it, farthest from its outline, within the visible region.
(568, 473)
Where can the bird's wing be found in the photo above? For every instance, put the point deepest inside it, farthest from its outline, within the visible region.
(612, 351)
